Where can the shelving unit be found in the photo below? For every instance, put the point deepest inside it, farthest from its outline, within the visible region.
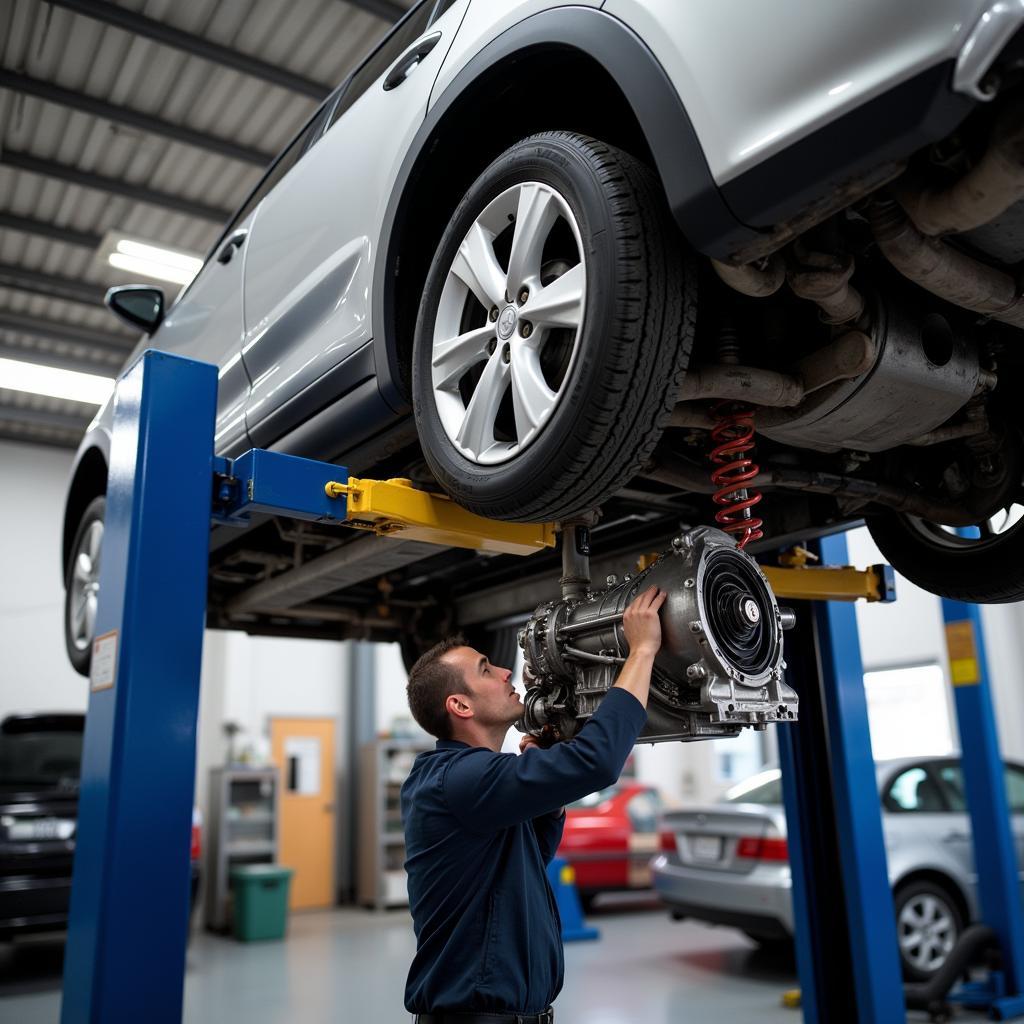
(383, 767)
(243, 829)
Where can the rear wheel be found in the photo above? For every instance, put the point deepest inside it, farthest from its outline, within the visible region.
(553, 333)
(82, 584)
(928, 924)
(981, 564)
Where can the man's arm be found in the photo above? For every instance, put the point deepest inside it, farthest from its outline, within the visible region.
(548, 829)
(488, 790)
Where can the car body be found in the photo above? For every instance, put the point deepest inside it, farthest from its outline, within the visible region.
(40, 761)
(731, 865)
(325, 301)
(609, 837)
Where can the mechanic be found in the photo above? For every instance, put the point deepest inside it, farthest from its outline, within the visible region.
(481, 827)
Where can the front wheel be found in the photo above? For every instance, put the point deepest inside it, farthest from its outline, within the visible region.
(82, 585)
(555, 326)
(928, 924)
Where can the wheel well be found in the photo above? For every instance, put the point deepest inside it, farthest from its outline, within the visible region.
(89, 482)
(516, 98)
(944, 882)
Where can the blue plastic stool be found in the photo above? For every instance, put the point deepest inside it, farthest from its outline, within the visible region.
(563, 881)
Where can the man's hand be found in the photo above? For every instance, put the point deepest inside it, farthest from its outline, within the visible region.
(529, 741)
(641, 623)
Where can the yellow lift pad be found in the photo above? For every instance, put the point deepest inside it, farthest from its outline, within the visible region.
(394, 508)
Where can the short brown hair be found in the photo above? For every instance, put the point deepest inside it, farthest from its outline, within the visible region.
(431, 682)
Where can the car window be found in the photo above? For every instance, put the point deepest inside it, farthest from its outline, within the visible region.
(1015, 788)
(768, 792)
(403, 35)
(593, 799)
(915, 790)
(952, 781)
(643, 810)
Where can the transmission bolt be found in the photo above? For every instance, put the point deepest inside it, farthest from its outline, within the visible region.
(696, 672)
(696, 627)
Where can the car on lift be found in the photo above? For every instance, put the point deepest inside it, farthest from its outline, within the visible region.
(610, 837)
(730, 865)
(40, 764)
(554, 257)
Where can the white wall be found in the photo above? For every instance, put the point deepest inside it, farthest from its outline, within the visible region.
(34, 670)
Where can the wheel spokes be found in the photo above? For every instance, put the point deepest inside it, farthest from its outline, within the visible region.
(535, 216)
(452, 358)
(559, 304)
(477, 431)
(478, 268)
(532, 399)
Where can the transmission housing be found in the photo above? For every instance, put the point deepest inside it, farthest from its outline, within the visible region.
(720, 667)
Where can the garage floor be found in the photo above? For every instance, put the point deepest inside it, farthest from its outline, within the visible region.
(350, 965)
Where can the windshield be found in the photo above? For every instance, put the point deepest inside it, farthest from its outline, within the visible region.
(593, 799)
(47, 756)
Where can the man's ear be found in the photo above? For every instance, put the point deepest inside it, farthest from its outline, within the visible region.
(458, 705)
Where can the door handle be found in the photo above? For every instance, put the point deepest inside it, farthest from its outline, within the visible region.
(233, 243)
(404, 65)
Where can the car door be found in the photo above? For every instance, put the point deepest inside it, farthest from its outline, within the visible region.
(205, 323)
(951, 776)
(309, 262)
(921, 829)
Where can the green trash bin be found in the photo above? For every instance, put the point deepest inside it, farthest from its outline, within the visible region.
(260, 896)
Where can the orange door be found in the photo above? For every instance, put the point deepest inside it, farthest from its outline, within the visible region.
(303, 750)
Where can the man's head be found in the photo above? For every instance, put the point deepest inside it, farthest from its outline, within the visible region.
(455, 692)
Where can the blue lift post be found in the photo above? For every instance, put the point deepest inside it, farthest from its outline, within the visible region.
(847, 952)
(999, 888)
(125, 955)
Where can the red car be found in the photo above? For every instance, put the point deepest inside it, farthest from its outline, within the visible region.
(610, 837)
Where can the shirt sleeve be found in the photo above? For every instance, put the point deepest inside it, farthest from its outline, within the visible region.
(487, 790)
(548, 828)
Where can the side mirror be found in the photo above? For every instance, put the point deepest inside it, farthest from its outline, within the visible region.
(137, 304)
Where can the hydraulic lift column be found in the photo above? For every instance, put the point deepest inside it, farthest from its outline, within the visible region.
(125, 956)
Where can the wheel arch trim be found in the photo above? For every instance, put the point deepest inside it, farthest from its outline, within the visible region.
(695, 200)
(88, 480)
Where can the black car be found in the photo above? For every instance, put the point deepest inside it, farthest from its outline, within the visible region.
(40, 763)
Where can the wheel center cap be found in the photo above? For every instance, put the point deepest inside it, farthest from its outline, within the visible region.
(507, 322)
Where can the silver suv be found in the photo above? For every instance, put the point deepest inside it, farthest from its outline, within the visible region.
(550, 256)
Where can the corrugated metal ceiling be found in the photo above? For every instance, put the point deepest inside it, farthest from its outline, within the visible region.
(46, 45)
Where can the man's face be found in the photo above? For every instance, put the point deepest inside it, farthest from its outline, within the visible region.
(489, 690)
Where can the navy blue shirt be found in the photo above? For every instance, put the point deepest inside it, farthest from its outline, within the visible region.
(480, 829)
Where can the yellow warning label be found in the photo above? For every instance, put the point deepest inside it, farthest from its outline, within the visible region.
(963, 653)
(568, 876)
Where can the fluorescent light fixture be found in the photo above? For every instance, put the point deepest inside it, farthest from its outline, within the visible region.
(139, 257)
(48, 380)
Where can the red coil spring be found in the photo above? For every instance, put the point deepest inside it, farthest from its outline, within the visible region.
(733, 436)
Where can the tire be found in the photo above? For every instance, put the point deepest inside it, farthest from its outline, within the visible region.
(979, 571)
(81, 584)
(921, 908)
(607, 385)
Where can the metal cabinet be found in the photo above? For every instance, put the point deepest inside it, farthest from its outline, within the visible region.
(383, 767)
(243, 829)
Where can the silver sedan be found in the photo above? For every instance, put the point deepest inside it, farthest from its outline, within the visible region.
(731, 864)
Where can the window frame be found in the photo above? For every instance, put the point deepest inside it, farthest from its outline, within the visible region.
(928, 767)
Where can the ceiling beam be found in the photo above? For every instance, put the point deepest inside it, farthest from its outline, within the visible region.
(75, 100)
(385, 9)
(56, 330)
(12, 276)
(43, 418)
(31, 226)
(57, 362)
(194, 45)
(112, 186)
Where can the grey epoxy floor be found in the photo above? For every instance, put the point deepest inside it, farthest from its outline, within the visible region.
(349, 966)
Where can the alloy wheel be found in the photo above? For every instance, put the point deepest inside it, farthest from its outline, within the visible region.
(508, 325)
(927, 932)
(84, 586)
